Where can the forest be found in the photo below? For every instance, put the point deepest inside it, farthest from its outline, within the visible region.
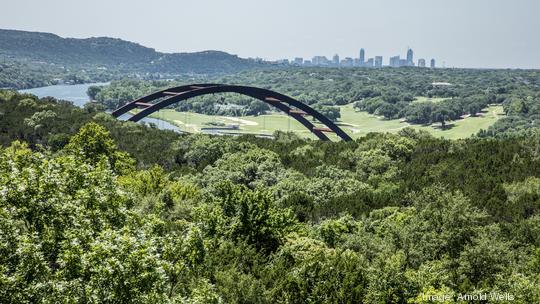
(96, 210)
(418, 96)
(25, 75)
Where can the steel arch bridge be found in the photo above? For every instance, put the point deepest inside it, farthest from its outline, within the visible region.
(292, 107)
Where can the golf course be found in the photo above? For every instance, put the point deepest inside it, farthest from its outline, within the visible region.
(356, 123)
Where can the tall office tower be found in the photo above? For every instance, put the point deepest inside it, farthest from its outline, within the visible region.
(320, 61)
(410, 55)
(378, 61)
(395, 61)
(432, 64)
(298, 61)
(283, 61)
(347, 62)
(403, 62)
(369, 63)
(335, 60)
(362, 57)
(421, 63)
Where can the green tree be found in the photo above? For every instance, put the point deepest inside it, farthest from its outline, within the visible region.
(305, 270)
(241, 214)
(441, 115)
(94, 142)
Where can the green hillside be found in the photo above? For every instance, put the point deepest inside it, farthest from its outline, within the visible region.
(83, 60)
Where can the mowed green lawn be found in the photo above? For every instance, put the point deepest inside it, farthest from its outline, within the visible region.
(359, 123)
(355, 123)
(428, 99)
(262, 124)
(468, 126)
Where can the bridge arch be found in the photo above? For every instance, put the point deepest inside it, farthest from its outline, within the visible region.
(290, 106)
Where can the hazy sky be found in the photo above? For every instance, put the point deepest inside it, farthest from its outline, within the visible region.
(462, 33)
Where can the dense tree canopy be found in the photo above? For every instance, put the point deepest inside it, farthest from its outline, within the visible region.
(388, 92)
(97, 210)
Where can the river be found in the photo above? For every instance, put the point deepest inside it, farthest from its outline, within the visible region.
(77, 95)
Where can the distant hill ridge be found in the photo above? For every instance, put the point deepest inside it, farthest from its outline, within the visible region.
(114, 53)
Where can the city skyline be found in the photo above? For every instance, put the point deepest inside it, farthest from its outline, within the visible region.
(371, 62)
(461, 33)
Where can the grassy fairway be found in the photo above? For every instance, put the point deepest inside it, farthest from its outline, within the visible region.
(361, 123)
(355, 123)
(468, 126)
(263, 124)
(427, 99)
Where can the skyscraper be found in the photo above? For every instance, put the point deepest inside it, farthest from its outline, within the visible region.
(378, 61)
(320, 61)
(362, 57)
(347, 62)
(432, 64)
(335, 60)
(403, 62)
(369, 63)
(421, 63)
(395, 61)
(410, 55)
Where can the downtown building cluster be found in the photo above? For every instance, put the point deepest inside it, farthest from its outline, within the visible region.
(396, 61)
(361, 61)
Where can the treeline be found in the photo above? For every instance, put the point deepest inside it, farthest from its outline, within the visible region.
(229, 104)
(123, 91)
(25, 75)
(98, 210)
(22, 76)
(388, 92)
(391, 107)
(523, 111)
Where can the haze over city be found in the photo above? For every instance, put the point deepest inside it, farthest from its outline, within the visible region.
(461, 33)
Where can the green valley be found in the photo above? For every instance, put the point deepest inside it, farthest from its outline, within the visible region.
(356, 123)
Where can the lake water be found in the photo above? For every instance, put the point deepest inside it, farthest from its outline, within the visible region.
(77, 95)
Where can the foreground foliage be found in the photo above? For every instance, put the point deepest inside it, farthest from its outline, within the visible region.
(102, 211)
